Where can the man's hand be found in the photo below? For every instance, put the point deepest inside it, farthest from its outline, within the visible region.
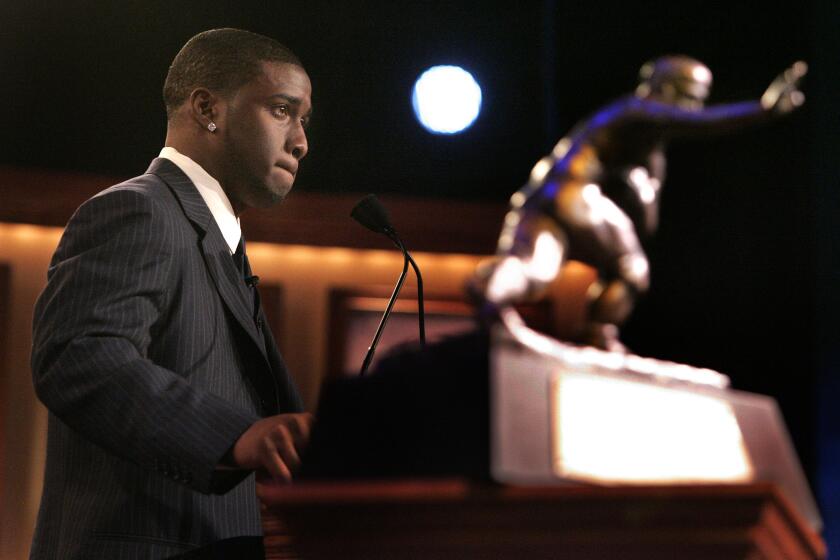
(274, 445)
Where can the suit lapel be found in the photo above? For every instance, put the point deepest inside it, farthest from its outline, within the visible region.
(216, 253)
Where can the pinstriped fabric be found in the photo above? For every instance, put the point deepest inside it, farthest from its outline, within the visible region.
(146, 353)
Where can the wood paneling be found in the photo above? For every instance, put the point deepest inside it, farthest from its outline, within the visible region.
(354, 314)
(5, 320)
(42, 197)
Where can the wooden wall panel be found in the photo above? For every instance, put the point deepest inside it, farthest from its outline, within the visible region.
(5, 320)
(305, 218)
(354, 315)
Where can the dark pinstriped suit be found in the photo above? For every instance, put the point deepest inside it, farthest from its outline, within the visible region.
(147, 354)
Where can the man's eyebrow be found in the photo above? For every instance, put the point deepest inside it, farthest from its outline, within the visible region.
(290, 98)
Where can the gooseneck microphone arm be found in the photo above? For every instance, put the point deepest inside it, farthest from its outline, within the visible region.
(420, 311)
(372, 348)
(371, 214)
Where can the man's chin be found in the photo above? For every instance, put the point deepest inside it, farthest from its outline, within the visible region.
(269, 195)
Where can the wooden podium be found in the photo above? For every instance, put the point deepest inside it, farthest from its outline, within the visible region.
(454, 519)
(458, 452)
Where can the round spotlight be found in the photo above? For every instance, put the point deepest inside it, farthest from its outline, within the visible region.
(446, 99)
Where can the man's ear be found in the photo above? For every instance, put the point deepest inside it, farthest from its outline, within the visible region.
(205, 108)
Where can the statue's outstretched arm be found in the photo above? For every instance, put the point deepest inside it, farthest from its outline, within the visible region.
(781, 97)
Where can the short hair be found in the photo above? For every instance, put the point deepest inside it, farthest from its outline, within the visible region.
(222, 60)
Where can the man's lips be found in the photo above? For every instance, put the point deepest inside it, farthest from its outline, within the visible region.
(290, 168)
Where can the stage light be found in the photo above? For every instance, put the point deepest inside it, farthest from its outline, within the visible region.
(446, 99)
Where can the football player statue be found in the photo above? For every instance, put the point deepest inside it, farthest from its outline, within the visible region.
(597, 193)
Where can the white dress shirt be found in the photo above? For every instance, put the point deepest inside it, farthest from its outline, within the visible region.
(212, 193)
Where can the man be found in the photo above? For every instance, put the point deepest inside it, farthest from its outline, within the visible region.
(164, 384)
(597, 194)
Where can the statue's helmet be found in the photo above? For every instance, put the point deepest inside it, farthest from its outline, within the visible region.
(675, 79)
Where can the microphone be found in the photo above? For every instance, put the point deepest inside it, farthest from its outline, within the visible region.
(252, 281)
(370, 213)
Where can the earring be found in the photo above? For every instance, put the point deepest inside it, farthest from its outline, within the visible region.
(212, 127)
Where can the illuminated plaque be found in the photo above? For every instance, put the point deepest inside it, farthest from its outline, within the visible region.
(610, 430)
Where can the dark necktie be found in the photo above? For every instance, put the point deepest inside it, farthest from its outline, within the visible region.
(240, 258)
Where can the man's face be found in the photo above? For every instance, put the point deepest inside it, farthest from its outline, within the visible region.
(263, 136)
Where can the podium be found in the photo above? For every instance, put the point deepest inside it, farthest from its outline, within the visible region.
(465, 450)
(449, 519)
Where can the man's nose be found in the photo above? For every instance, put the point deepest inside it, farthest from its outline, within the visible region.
(298, 146)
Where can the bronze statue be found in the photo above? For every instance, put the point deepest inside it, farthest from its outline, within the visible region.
(597, 193)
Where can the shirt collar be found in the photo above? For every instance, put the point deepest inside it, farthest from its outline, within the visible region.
(212, 193)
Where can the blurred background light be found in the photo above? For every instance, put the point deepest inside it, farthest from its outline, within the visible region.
(446, 99)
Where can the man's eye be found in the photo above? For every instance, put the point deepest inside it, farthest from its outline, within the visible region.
(280, 111)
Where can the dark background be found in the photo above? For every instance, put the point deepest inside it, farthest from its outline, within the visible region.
(743, 265)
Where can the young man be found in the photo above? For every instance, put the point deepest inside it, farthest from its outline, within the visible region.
(164, 384)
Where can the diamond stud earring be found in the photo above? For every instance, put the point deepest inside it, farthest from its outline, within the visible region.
(212, 127)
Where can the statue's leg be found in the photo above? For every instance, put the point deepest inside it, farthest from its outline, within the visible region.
(603, 236)
(532, 248)
(609, 308)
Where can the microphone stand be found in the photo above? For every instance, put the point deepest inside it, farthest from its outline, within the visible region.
(420, 310)
(372, 215)
(380, 329)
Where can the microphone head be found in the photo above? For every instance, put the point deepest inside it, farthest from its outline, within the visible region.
(370, 213)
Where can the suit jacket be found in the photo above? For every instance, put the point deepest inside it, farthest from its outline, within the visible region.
(147, 353)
